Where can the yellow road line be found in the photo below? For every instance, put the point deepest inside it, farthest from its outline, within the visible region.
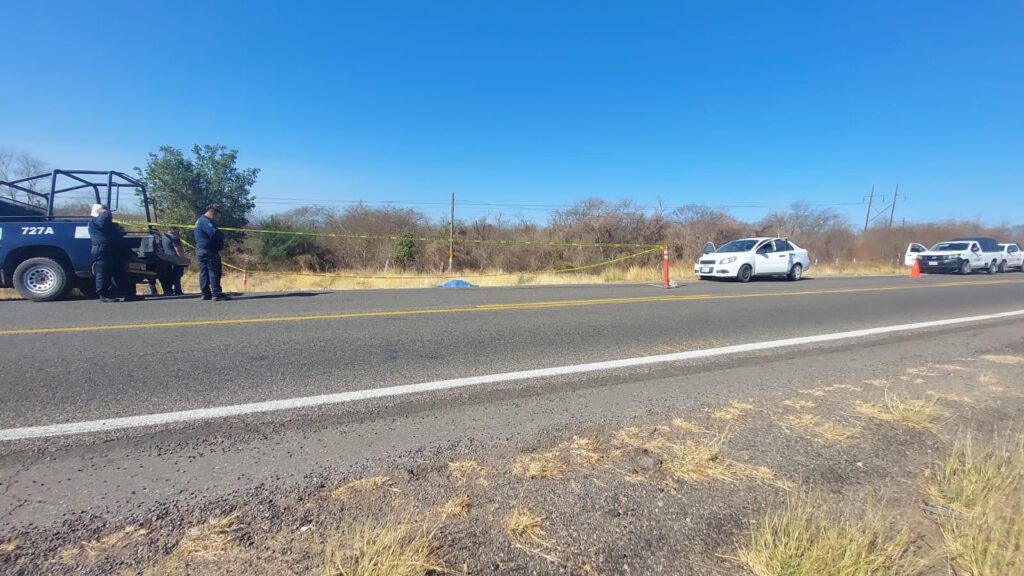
(485, 308)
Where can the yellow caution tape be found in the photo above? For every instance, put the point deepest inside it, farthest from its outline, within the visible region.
(417, 239)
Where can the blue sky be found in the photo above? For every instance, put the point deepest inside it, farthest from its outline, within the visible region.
(717, 102)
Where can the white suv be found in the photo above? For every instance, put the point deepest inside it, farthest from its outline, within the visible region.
(748, 257)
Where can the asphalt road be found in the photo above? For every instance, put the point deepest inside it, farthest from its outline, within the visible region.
(73, 361)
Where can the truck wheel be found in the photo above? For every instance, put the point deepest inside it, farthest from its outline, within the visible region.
(965, 267)
(745, 273)
(40, 279)
(796, 272)
(1002, 266)
(992, 267)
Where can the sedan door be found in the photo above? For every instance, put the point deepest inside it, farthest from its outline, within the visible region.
(778, 258)
(912, 251)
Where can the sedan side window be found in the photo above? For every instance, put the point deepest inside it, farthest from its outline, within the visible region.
(765, 248)
(783, 246)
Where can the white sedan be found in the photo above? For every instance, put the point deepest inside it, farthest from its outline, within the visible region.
(743, 259)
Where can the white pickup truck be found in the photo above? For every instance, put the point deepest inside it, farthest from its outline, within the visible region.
(1013, 257)
(960, 255)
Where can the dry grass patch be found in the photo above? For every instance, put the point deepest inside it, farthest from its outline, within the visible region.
(877, 382)
(799, 404)
(539, 465)
(734, 411)
(8, 547)
(457, 507)
(984, 485)
(585, 452)
(988, 378)
(370, 485)
(465, 471)
(523, 526)
(90, 551)
(685, 425)
(909, 412)
(950, 367)
(1003, 359)
(215, 537)
(813, 391)
(386, 548)
(822, 430)
(701, 460)
(845, 387)
(922, 372)
(800, 541)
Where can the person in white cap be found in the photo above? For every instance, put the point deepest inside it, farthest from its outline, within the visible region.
(107, 253)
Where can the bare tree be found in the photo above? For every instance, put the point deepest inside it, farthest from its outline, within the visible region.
(16, 165)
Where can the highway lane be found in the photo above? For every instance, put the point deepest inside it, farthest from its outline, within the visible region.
(170, 361)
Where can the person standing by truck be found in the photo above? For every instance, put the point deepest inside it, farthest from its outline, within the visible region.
(107, 254)
(209, 243)
(172, 245)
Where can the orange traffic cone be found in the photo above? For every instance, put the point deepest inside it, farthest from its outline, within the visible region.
(915, 272)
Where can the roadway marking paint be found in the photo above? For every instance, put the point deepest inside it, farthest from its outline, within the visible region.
(482, 308)
(218, 412)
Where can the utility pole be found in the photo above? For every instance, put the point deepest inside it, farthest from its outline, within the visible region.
(895, 195)
(451, 235)
(867, 217)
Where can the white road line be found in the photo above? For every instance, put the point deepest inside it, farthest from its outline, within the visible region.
(357, 395)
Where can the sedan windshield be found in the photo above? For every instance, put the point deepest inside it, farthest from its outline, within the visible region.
(738, 246)
(949, 246)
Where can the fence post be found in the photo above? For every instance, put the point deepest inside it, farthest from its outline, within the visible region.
(665, 267)
(245, 280)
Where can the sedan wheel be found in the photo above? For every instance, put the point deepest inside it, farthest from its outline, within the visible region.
(745, 273)
(796, 273)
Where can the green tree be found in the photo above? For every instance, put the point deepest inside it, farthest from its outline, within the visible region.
(277, 248)
(182, 187)
(405, 252)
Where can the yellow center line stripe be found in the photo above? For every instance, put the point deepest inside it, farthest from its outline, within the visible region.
(483, 308)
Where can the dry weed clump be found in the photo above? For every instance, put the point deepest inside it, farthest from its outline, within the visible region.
(1003, 359)
(90, 551)
(387, 547)
(466, 471)
(539, 465)
(983, 485)
(909, 412)
(457, 507)
(734, 411)
(799, 404)
(799, 541)
(9, 546)
(822, 430)
(369, 485)
(523, 526)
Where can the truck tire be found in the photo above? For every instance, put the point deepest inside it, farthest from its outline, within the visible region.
(745, 273)
(1002, 266)
(796, 272)
(992, 267)
(41, 279)
(965, 267)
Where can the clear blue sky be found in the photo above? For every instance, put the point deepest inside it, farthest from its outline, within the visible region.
(546, 102)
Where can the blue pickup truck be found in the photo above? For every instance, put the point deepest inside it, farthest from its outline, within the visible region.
(45, 250)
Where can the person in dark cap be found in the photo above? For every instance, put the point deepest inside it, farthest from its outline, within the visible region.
(172, 245)
(107, 254)
(209, 243)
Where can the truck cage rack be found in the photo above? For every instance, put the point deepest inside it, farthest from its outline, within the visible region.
(111, 183)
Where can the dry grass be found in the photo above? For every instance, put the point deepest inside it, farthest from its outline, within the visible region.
(457, 507)
(984, 484)
(950, 367)
(909, 412)
(539, 465)
(466, 471)
(584, 452)
(372, 484)
(89, 551)
(523, 526)
(9, 546)
(822, 430)
(386, 548)
(214, 537)
(877, 382)
(813, 391)
(685, 425)
(799, 404)
(799, 541)
(1003, 359)
(735, 411)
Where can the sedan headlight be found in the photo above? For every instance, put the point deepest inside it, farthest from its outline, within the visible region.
(728, 260)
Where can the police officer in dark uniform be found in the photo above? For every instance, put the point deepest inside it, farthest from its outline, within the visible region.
(107, 254)
(209, 243)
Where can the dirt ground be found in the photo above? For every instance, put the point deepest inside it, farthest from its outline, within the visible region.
(681, 495)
